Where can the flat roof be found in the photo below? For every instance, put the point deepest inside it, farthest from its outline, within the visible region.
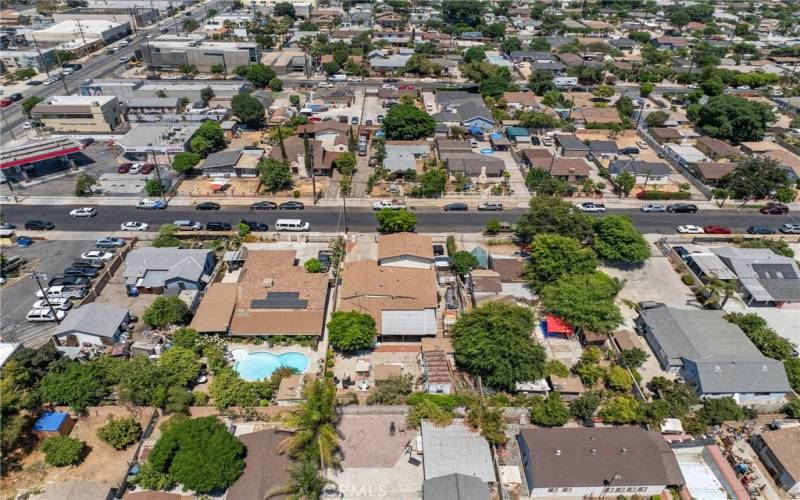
(71, 26)
(158, 135)
(215, 310)
(78, 100)
(34, 151)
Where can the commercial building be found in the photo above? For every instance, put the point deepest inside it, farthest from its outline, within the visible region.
(714, 355)
(597, 462)
(161, 138)
(165, 7)
(101, 114)
(169, 52)
(12, 60)
(139, 17)
(127, 89)
(84, 30)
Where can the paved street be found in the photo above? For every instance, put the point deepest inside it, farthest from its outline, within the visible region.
(362, 219)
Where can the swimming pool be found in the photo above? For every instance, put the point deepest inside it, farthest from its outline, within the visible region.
(260, 365)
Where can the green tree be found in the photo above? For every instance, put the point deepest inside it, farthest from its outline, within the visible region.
(712, 87)
(189, 25)
(395, 221)
(120, 432)
(792, 367)
(624, 106)
(166, 237)
(276, 84)
(755, 178)
(586, 301)
(184, 162)
(633, 358)
(313, 265)
(83, 183)
(29, 103)
(792, 408)
(275, 174)
(187, 338)
(248, 109)
(165, 311)
(284, 9)
(260, 75)
(715, 411)
(626, 182)
(78, 385)
(765, 338)
(550, 411)
(408, 123)
(733, 118)
(646, 89)
(229, 389)
(200, 454)
(153, 188)
(392, 391)
(616, 239)
(151, 479)
(554, 256)
(314, 424)
(495, 86)
(346, 163)
(468, 12)
(463, 262)
(431, 183)
(490, 422)
(206, 95)
(656, 118)
(618, 379)
(180, 365)
(494, 341)
(474, 54)
(294, 100)
(603, 91)
(510, 44)
(62, 450)
(493, 226)
(351, 331)
(550, 215)
(541, 82)
(586, 405)
(536, 119)
(621, 410)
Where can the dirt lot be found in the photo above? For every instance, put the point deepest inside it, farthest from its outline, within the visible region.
(102, 463)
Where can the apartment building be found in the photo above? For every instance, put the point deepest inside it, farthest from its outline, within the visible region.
(102, 114)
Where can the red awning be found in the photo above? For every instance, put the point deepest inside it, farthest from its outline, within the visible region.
(557, 325)
(39, 157)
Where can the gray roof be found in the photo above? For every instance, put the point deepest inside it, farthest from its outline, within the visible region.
(726, 360)
(530, 54)
(155, 266)
(472, 163)
(765, 275)
(465, 111)
(101, 320)
(409, 323)
(399, 161)
(221, 159)
(153, 102)
(603, 147)
(571, 141)
(548, 65)
(711, 265)
(639, 167)
(397, 61)
(455, 487)
(455, 449)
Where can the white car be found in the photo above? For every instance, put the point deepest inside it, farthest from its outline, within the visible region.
(97, 254)
(355, 79)
(49, 81)
(83, 212)
(27, 125)
(61, 304)
(387, 86)
(588, 206)
(136, 168)
(642, 145)
(693, 86)
(325, 85)
(134, 226)
(690, 229)
(150, 36)
(654, 208)
(743, 87)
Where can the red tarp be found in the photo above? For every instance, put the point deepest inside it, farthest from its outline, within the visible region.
(557, 325)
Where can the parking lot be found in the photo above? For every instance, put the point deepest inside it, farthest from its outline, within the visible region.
(17, 296)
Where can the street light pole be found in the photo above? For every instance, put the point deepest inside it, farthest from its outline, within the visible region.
(37, 277)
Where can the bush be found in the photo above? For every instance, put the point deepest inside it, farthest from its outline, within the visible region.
(296, 193)
(62, 450)
(618, 379)
(120, 432)
(186, 338)
(451, 245)
(663, 195)
(687, 280)
(165, 311)
(313, 265)
(200, 398)
(151, 479)
(391, 392)
(493, 226)
(351, 331)
(550, 411)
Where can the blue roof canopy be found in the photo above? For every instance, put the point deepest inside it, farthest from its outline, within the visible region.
(50, 421)
(475, 130)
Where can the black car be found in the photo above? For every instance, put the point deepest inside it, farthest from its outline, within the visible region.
(682, 209)
(292, 205)
(773, 208)
(535, 141)
(33, 82)
(390, 80)
(681, 251)
(207, 205)
(456, 207)
(218, 226)
(438, 250)
(760, 230)
(16, 96)
(88, 272)
(254, 226)
(264, 205)
(89, 263)
(39, 225)
(69, 280)
(153, 77)
(629, 151)
(326, 261)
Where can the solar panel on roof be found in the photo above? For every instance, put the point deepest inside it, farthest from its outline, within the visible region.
(280, 300)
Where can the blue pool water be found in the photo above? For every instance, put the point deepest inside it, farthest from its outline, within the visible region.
(260, 365)
(487, 151)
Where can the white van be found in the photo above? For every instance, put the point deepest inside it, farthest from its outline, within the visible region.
(43, 315)
(337, 78)
(291, 225)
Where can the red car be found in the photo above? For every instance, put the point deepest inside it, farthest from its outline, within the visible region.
(147, 168)
(715, 229)
(5, 102)
(124, 168)
(315, 119)
(406, 87)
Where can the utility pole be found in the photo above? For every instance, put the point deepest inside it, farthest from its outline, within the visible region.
(37, 277)
(80, 27)
(64, 77)
(10, 131)
(344, 201)
(158, 174)
(44, 64)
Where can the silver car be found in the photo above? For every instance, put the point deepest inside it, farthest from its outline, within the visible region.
(790, 228)
(654, 208)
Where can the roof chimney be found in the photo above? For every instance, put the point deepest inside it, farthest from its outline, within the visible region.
(624, 451)
(594, 451)
(267, 282)
(558, 452)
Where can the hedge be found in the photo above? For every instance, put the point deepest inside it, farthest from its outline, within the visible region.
(663, 195)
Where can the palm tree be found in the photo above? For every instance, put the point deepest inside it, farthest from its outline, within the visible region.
(719, 291)
(314, 424)
(305, 482)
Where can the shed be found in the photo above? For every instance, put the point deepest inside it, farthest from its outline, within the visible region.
(556, 326)
(52, 424)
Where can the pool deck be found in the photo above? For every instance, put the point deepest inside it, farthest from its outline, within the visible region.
(313, 357)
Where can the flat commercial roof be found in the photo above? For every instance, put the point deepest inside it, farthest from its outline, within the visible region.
(32, 152)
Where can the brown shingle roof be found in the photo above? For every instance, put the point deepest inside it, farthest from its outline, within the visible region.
(265, 469)
(569, 166)
(784, 445)
(665, 133)
(486, 281)
(524, 98)
(400, 244)
(512, 270)
(567, 385)
(324, 126)
(215, 310)
(712, 170)
(785, 158)
(599, 115)
(717, 147)
(372, 289)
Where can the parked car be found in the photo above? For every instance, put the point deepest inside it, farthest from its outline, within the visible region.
(6, 225)
(134, 226)
(681, 251)
(59, 304)
(490, 206)
(124, 168)
(188, 225)
(136, 168)
(773, 208)
(456, 207)
(93, 263)
(98, 255)
(654, 207)
(324, 256)
(33, 82)
(716, 229)
(760, 230)
(354, 120)
(264, 205)
(68, 281)
(390, 80)
(147, 168)
(590, 207)
(151, 204)
(80, 271)
(438, 250)
(218, 226)
(83, 212)
(790, 228)
(690, 229)
(254, 226)
(630, 150)
(682, 208)
(45, 315)
(16, 96)
(39, 225)
(388, 204)
(207, 205)
(292, 205)
(5, 103)
(109, 242)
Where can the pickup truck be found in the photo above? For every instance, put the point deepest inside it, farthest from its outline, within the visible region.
(588, 206)
(63, 292)
(390, 204)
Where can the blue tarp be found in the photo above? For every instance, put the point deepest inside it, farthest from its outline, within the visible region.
(475, 130)
(50, 421)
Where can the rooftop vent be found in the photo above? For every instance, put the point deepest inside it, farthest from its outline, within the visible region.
(624, 451)
(594, 451)
(267, 282)
(558, 452)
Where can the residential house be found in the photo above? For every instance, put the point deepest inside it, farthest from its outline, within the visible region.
(596, 462)
(410, 250)
(474, 165)
(711, 172)
(759, 147)
(520, 136)
(778, 451)
(455, 487)
(213, 315)
(460, 108)
(663, 135)
(266, 467)
(402, 300)
(436, 372)
(624, 44)
(715, 148)
(570, 146)
(713, 355)
(603, 149)
(520, 100)
(569, 59)
(765, 278)
(570, 387)
(572, 170)
(168, 270)
(232, 163)
(788, 161)
(685, 156)
(554, 67)
(531, 56)
(389, 20)
(670, 42)
(404, 155)
(484, 285)
(92, 324)
(645, 172)
(446, 146)
(789, 105)
(337, 97)
(393, 38)
(456, 449)
(326, 131)
(513, 280)
(539, 157)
